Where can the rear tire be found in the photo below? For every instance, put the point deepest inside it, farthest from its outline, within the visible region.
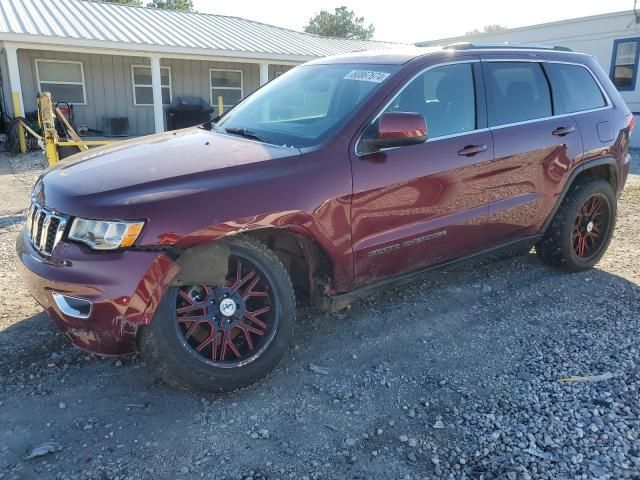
(176, 349)
(581, 229)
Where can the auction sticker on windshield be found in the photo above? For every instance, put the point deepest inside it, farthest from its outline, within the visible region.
(366, 76)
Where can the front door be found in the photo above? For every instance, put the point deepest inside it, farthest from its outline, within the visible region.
(420, 205)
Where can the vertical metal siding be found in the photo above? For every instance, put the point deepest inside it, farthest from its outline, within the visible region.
(109, 86)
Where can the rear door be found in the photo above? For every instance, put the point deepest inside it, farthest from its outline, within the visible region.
(579, 95)
(419, 205)
(534, 147)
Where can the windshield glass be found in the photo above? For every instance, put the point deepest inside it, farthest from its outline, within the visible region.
(306, 105)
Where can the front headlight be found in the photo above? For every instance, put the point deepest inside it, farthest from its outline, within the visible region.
(102, 235)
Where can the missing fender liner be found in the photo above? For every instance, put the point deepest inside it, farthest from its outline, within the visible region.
(203, 265)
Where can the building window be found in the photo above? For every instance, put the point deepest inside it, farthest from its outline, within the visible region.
(624, 64)
(228, 85)
(64, 79)
(142, 85)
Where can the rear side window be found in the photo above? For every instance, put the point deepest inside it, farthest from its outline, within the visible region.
(574, 87)
(445, 96)
(516, 92)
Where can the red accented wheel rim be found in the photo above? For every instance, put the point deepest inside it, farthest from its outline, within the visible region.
(591, 227)
(230, 325)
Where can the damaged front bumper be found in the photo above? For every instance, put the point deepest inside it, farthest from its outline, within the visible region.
(99, 300)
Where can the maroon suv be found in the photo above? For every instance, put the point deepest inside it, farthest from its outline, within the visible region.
(340, 177)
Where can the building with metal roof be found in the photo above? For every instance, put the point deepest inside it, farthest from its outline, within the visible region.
(117, 61)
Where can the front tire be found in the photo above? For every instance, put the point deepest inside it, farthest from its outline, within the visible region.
(581, 229)
(221, 338)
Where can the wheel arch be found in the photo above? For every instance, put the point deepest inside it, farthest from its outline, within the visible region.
(308, 264)
(603, 167)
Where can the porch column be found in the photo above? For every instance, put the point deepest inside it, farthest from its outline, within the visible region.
(156, 83)
(16, 89)
(264, 73)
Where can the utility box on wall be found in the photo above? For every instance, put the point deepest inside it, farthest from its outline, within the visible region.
(115, 126)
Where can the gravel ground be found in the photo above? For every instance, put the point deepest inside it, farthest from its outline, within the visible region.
(458, 376)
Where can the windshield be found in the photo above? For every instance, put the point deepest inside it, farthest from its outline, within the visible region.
(306, 105)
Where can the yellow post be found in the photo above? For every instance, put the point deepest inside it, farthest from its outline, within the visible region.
(220, 105)
(47, 120)
(18, 113)
(50, 150)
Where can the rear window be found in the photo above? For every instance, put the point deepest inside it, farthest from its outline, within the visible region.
(516, 92)
(575, 88)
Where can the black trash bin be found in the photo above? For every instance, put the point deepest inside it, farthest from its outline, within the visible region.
(187, 111)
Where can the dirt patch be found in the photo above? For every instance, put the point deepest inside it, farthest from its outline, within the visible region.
(455, 376)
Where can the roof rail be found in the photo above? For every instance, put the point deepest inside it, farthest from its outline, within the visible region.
(491, 46)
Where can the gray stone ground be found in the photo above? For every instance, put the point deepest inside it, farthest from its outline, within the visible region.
(457, 376)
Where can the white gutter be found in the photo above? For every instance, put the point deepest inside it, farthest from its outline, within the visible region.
(102, 47)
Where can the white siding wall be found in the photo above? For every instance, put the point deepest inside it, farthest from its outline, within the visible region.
(592, 35)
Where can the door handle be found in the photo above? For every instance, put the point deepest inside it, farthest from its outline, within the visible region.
(562, 131)
(471, 150)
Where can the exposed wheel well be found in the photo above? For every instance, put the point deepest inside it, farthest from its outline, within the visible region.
(604, 171)
(308, 265)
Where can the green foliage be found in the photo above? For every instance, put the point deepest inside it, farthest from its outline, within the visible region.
(182, 5)
(134, 3)
(343, 23)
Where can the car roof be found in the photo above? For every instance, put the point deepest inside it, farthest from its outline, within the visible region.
(400, 56)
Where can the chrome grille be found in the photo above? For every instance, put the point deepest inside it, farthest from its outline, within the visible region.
(45, 228)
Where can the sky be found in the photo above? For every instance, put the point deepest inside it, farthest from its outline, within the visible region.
(410, 21)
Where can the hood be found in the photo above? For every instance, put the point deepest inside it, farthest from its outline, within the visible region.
(110, 181)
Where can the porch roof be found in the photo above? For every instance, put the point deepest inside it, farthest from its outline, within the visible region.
(94, 24)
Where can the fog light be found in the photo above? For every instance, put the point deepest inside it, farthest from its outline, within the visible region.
(73, 306)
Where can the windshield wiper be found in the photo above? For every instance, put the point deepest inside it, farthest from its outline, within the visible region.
(245, 133)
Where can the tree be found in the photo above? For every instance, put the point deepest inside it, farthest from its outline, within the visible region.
(487, 29)
(134, 3)
(343, 23)
(182, 5)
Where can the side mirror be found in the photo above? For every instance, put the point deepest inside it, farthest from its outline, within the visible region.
(399, 129)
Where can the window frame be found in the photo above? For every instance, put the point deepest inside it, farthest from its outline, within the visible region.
(479, 94)
(211, 86)
(134, 85)
(481, 111)
(552, 98)
(612, 69)
(76, 62)
(559, 102)
(543, 62)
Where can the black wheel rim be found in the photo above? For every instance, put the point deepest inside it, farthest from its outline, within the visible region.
(591, 227)
(228, 325)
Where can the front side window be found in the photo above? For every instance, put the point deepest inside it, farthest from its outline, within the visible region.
(445, 96)
(307, 104)
(575, 87)
(624, 64)
(228, 85)
(142, 85)
(65, 80)
(516, 92)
